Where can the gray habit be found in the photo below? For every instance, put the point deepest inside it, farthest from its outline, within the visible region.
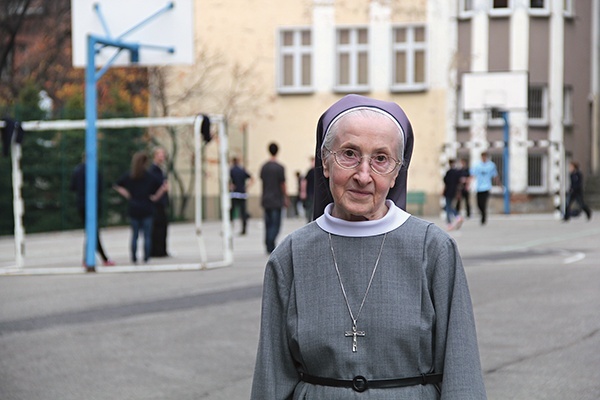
(417, 317)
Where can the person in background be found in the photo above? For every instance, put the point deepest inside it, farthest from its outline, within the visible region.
(309, 180)
(464, 189)
(78, 186)
(274, 196)
(237, 186)
(485, 174)
(300, 199)
(142, 189)
(366, 301)
(575, 194)
(451, 190)
(160, 219)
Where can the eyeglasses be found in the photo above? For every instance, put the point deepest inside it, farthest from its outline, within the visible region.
(380, 163)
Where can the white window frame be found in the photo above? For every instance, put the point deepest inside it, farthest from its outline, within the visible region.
(500, 12)
(462, 121)
(297, 51)
(466, 8)
(543, 173)
(540, 12)
(353, 49)
(568, 106)
(410, 48)
(543, 120)
(569, 8)
(494, 118)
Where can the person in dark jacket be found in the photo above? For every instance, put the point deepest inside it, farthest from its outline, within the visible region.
(142, 189)
(575, 194)
(464, 189)
(238, 176)
(160, 221)
(451, 191)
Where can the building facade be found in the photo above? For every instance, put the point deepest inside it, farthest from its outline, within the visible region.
(556, 43)
(272, 71)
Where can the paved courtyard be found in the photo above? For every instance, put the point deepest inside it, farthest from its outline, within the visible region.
(192, 334)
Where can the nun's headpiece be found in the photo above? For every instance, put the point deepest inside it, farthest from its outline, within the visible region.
(398, 193)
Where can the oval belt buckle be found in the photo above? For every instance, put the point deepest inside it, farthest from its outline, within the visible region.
(360, 383)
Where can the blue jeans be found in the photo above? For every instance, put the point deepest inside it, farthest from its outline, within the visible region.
(145, 224)
(451, 212)
(272, 226)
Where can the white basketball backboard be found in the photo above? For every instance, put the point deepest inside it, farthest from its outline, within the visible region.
(502, 90)
(124, 20)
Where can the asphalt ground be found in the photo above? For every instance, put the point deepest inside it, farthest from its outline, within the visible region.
(192, 334)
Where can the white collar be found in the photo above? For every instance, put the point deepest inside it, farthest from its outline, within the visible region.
(394, 218)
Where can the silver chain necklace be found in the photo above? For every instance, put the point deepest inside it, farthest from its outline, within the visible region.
(355, 333)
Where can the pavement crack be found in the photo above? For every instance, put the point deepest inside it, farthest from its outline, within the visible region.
(542, 353)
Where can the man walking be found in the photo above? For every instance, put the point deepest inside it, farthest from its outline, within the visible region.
(575, 194)
(485, 173)
(274, 196)
(238, 177)
(464, 190)
(451, 190)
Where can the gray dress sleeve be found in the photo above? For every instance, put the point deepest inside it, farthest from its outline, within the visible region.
(456, 349)
(275, 374)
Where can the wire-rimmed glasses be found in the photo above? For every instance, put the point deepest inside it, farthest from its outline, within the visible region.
(380, 163)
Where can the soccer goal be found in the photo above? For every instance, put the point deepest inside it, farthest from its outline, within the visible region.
(226, 256)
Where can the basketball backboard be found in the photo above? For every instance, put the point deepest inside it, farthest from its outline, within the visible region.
(135, 21)
(501, 90)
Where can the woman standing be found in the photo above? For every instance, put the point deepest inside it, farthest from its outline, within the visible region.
(367, 301)
(141, 189)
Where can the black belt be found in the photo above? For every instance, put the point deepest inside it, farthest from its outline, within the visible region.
(360, 383)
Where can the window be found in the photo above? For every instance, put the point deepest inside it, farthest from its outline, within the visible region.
(538, 3)
(568, 9)
(537, 105)
(463, 117)
(409, 69)
(465, 8)
(536, 173)
(295, 61)
(568, 106)
(539, 7)
(352, 66)
(498, 159)
(500, 7)
(495, 117)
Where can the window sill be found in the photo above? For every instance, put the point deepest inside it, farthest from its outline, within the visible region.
(292, 91)
(351, 89)
(409, 88)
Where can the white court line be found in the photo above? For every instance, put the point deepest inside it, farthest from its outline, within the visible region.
(578, 256)
(116, 269)
(562, 238)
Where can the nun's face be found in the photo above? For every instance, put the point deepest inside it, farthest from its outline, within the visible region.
(359, 193)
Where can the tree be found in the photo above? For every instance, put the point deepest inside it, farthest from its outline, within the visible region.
(35, 40)
(238, 100)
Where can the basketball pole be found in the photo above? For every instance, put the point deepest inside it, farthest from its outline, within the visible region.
(506, 162)
(91, 116)
(91, 147)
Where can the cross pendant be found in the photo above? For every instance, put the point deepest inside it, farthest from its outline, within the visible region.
(354, 333)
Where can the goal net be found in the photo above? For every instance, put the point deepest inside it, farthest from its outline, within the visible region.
(205, 253)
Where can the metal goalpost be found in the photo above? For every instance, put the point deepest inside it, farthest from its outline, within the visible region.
(195, 122)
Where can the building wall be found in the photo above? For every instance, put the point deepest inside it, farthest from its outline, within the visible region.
(249, 39)
(552, 48)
